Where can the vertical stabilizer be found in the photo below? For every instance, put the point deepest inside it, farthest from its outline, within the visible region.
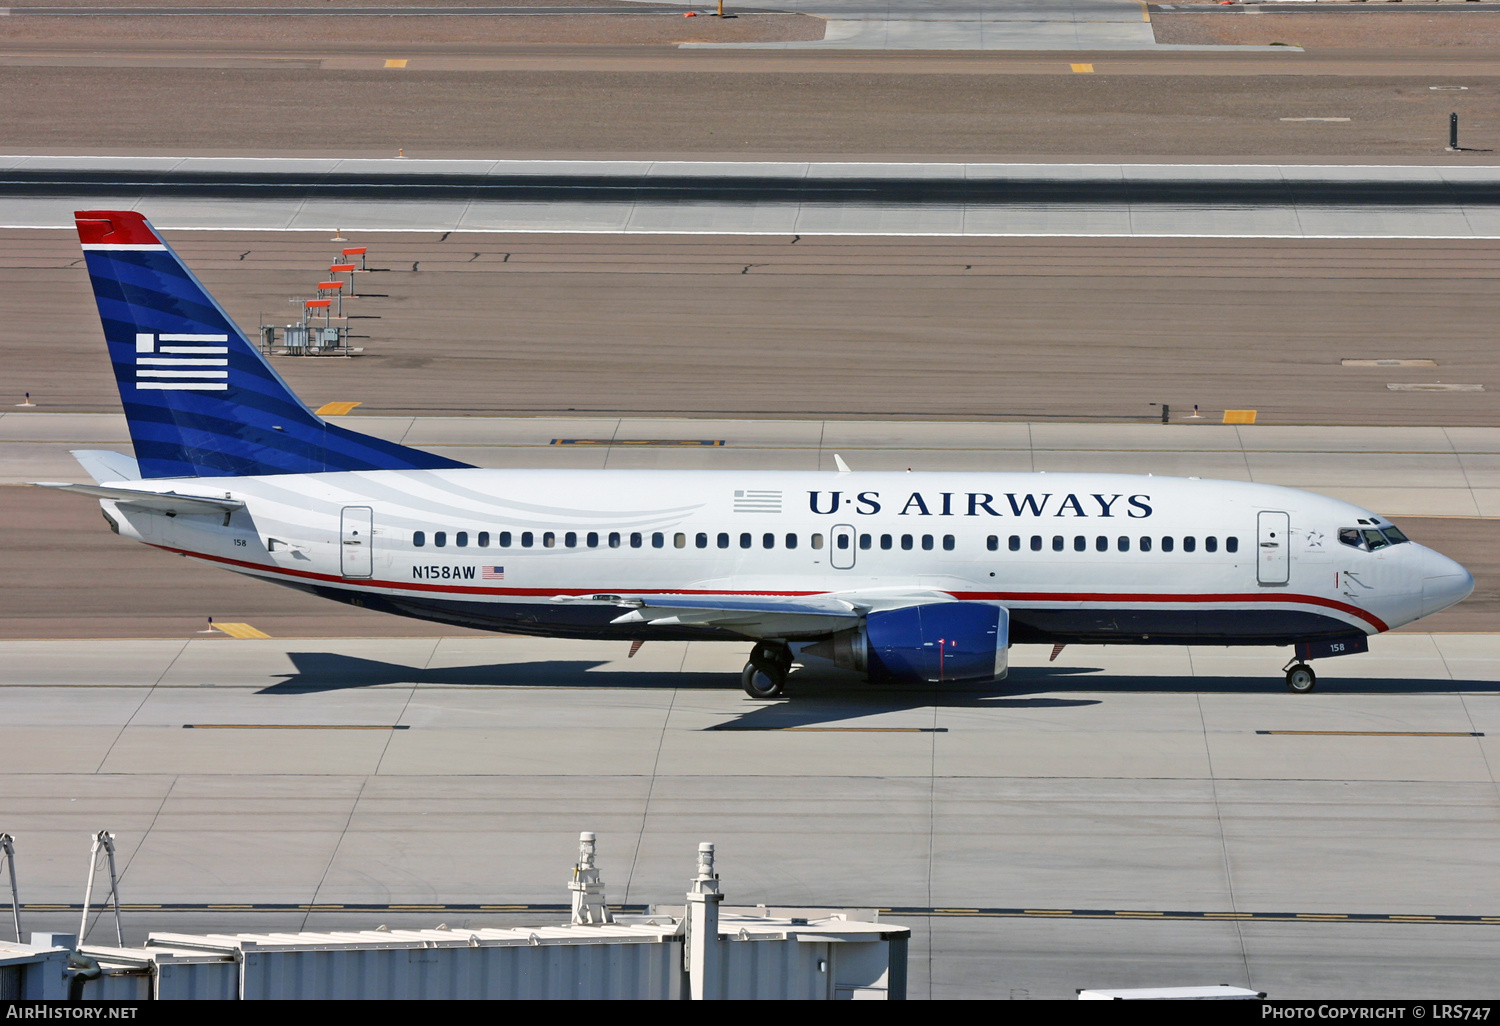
(201, 401)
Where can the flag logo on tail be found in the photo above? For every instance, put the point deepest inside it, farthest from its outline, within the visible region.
(182, 363)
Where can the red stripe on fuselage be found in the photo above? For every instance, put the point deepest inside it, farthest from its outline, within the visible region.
(984, 596)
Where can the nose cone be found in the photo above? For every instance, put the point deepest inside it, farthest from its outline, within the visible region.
(1444, 582)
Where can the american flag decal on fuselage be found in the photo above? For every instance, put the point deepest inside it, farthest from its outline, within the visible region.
(492, 573)
(182, 362)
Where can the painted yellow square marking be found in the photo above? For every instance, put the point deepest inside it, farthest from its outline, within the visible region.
(1083, 69)
(396, 62)
(1239, 416)
(241, 630)
(336, 409)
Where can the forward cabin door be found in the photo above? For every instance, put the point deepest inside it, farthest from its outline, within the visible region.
(357, 526)
(1273, 548)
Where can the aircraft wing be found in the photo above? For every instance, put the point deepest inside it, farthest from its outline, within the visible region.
(769, 616)
(166, 502)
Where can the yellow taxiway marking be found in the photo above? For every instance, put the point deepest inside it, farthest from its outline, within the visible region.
(240, 630)
(336, 409)
(1315, 119)
(1239, 416)
(396, 62)
(1083, 69)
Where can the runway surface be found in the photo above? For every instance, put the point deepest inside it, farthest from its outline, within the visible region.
(450, 101)
(1173, 787)
(1024, 330)
(795, 198)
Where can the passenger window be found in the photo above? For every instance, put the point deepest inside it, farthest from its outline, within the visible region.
(1080, 543)
(817, 541)
(1122, 544)
(768, 540)
(948, 542)
(791, 541)
(885, 541)
(992, 543)
(526, 539)
(906, 541)
(461, 539)
(1015, 543)
(1057, 543)
(419, 538)
(614, 539)
(593, 539)
(865, 541)
(745, 540)
(440, 538)
(1189, 544)
(571, 539)
(1101, 543)
(723, 539)
(679, 540)
(841, 541)
(1375, 540)
(658, 540)
(635, 539)
(927, 542)
(1167, 544)
(702, 540)
(1211, 544)
(549, 540)
(484, 539)
(1231, 545)
(505, 539)
(1146, 543)
(1036, 543)
(1351, 536)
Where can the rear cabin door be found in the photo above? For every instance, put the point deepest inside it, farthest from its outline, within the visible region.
(1273, 548)
(842, 547)
(357, 526)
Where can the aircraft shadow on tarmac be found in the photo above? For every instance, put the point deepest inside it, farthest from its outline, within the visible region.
(818, 697)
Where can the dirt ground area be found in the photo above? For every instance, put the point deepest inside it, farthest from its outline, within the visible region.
(568, 29)
(1415, 30)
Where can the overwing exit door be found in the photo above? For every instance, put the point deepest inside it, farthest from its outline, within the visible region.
(1273, 548)
(357, 526)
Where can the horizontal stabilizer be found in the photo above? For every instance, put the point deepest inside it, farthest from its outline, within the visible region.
(103, 465)
(166, 502)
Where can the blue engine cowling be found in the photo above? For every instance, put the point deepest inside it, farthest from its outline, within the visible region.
(941, 643)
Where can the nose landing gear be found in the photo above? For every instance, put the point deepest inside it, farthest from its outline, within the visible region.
(1300, 678)
(765, 674)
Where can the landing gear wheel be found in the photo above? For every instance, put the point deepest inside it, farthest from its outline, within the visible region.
(763, 680)
(771, 653)
(1301, 679)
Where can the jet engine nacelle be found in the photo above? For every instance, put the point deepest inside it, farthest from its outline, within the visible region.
(940, 643)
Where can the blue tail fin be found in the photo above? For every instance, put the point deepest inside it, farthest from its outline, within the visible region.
(201, 401)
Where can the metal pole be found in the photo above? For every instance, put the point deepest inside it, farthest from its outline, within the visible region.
(114, 887)
(88, 889)
(8, 851)
(1453, 131)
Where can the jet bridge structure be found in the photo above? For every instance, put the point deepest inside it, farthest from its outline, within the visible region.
(701, 950)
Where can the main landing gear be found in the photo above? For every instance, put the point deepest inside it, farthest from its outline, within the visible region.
(1300, 678)
(764, 675)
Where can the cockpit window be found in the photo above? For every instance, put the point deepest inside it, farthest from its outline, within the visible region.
(1374, 539)
(1351, 536)
(1394, 535)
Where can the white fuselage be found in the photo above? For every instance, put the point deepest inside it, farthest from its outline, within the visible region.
(1073, 556)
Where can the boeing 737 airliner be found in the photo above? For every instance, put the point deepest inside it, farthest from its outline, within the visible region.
(911, 578)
